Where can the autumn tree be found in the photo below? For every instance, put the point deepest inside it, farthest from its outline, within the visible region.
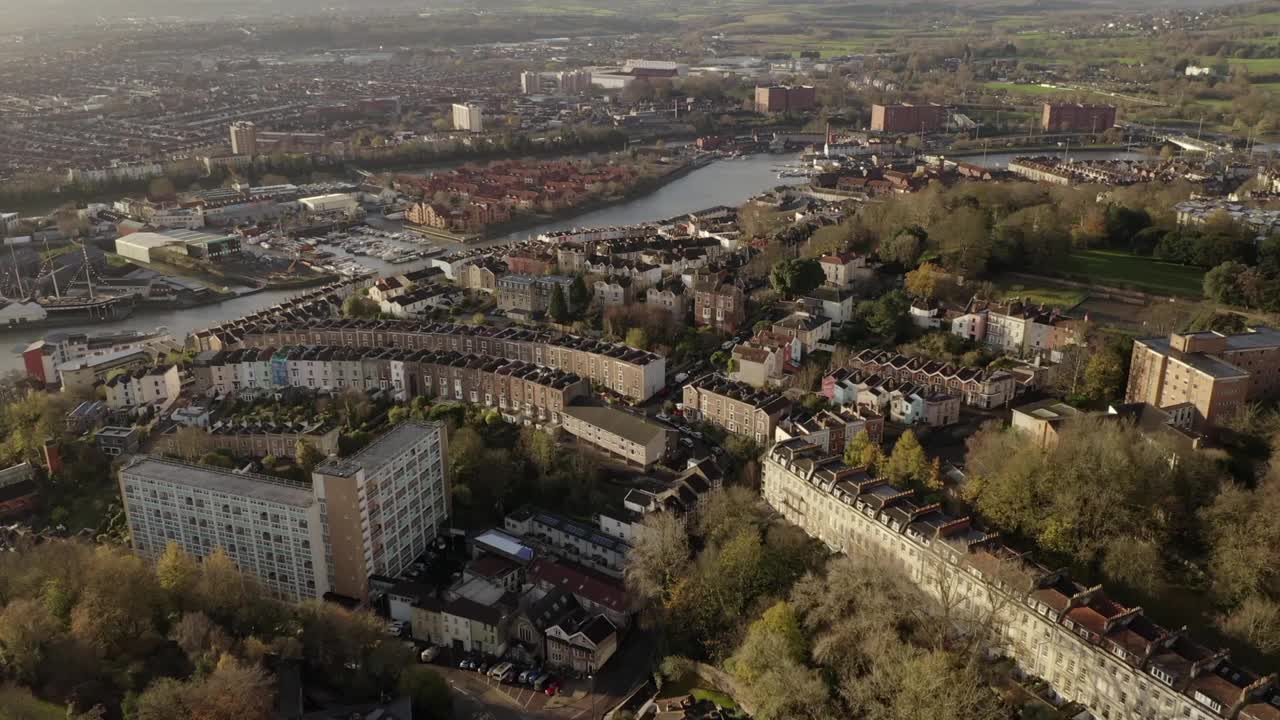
(658, 557)
(907, 464)
(927, 282)
(861, 451)
(306, 454)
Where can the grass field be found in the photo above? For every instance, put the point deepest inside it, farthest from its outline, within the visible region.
(1107, 267)
(1063, 298)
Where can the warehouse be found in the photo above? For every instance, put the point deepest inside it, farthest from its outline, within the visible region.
(142, 246)
(333, 203)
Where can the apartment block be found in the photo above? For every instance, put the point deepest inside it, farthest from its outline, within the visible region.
(383, 506)
(1217, 374)
(531, 294)
(468, 117)
(1091, 649)
(144, 386)
(631, 373)
(271, 528)
(1077, 117)
(620, 434)
(907, 118)
(734, 406)
(785, 98)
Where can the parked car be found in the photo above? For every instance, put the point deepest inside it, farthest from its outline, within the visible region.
(541, 681)
(429, 654)
(508, 676)
(467, 665)
(681, 377)
(499, 670)
(482, 668)
(686, 442)
(523, 678)
(553, 687)
(664, 417)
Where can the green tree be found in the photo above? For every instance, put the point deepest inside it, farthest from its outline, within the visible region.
(428, 692)
(579, 295)
(1222, 283)
(557, 307)
(306, 455)
(637, 338)
(796, 276)
(908, 464)
(1104, 376)
(358, 306)
(861, 451)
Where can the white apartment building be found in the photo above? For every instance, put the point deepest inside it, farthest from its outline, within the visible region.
(383, 506)
(270, 527)
(1092, 650)
(468, 116)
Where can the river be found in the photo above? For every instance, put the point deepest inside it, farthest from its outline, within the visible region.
(725, 182)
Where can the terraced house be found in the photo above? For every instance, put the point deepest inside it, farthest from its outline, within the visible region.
(734, 406)
(976, 387)
(1091, 649)
(633, 374)
(523, 391)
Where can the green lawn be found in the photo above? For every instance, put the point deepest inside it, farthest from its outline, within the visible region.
(1125, 269)
(691, 685)
(1063, 298)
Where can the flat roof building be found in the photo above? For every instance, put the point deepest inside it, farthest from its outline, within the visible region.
(621, 434)
(1217, 374)
(384, 505)
(271, 528)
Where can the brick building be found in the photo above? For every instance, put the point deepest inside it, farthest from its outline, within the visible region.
(785, 98)
(1077, 117)
(907, 118)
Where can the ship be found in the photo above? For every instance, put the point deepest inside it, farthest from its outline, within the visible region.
(34, 310)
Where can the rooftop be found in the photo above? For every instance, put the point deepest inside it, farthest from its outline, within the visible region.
(260, 487)
(617, 422)
(382, 450)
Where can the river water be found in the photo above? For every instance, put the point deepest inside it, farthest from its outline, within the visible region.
(725, 182)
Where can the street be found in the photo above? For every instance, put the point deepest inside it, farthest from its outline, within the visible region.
(478, 697)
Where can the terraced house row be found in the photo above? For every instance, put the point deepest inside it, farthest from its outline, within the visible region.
(976, 387)
(1090, 648)
(631, 373)
(523, 390)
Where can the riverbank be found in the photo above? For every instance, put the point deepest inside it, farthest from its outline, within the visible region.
(975, 152)
(527, 222)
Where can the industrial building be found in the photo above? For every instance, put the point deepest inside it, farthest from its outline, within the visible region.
(343, 203)
(144, 246)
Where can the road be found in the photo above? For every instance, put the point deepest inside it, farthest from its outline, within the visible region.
(477, 697)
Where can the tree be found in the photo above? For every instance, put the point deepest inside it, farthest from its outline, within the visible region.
(357, 306)
(796, 276)
(306, 455)
(26, 631)
(177, 572)
(1255, 622)
(861, 451)
(658, 558)
(1104, 376)
(637, 338)
(579, 294)
(428, 692)
(926, 282)
(905, 247)
(1243, 529)
(908, 464)
(556, 307)
(1222, 283)
(190, 443)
